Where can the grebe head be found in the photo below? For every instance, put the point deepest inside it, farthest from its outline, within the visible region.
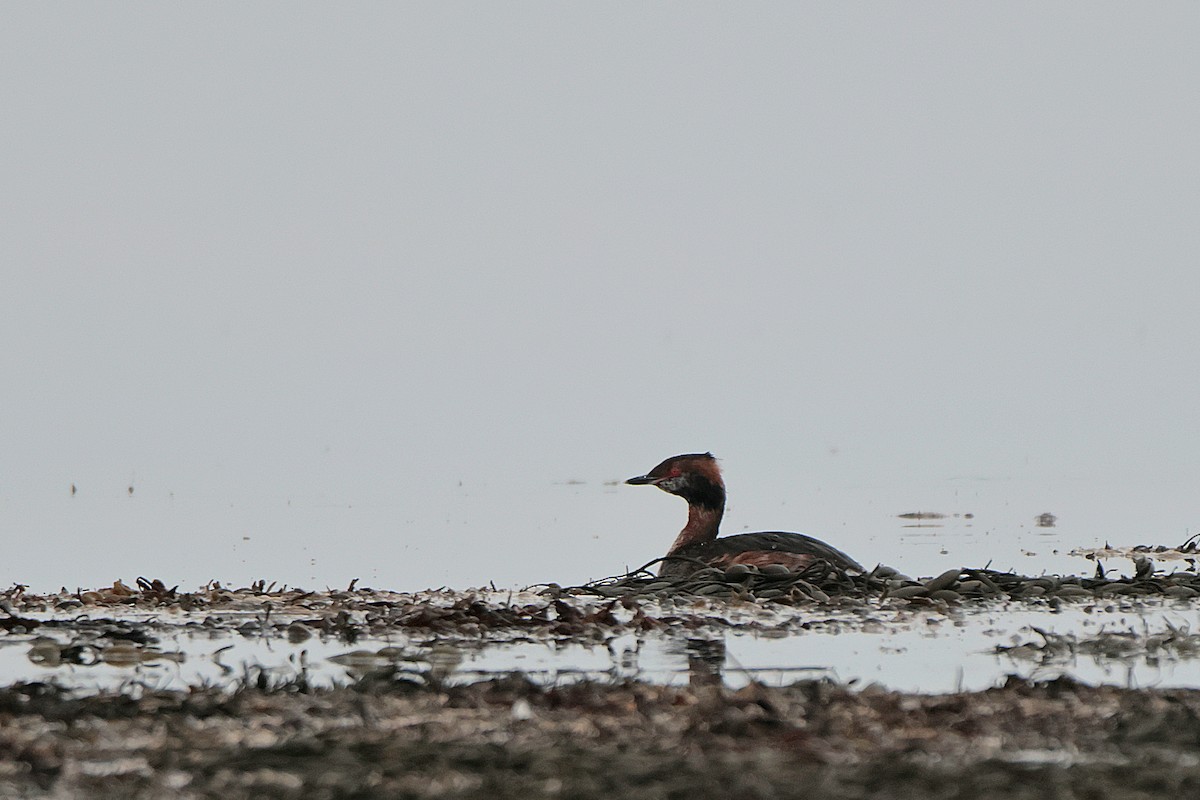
(694, 476)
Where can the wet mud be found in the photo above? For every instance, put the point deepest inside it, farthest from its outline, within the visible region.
(509, 738)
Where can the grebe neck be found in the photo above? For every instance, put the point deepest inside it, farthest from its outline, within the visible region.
(703, 523)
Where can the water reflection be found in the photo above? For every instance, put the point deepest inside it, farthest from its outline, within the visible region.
(1149, 643)
(705, 662)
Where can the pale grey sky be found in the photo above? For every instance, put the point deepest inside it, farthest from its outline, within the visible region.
(368, 283)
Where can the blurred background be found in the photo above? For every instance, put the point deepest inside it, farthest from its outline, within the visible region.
(400, 291)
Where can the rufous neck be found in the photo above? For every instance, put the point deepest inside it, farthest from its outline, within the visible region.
(702, 526)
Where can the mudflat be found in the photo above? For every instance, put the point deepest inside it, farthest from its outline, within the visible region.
(510, 738)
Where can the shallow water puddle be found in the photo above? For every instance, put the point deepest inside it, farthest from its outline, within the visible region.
(1141, 644)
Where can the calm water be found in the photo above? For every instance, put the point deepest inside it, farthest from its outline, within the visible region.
(567, 532)
(507, 270)
(926, 651)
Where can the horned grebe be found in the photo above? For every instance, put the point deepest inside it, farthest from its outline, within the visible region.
(696, 478)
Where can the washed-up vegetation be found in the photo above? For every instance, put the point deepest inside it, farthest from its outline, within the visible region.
(469, 610)
(820, 583)
(120, 624)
